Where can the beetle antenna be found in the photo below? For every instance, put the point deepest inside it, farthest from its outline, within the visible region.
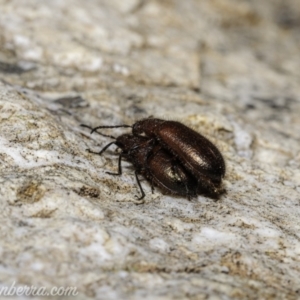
(115, 126)
(95, 130)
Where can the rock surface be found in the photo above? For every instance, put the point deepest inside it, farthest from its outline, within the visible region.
(230, 69)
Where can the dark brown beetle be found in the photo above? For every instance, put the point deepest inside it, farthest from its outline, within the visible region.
(155, 163)
(196, 153)
(200, 156)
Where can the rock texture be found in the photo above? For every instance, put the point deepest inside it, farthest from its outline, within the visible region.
(228, 68)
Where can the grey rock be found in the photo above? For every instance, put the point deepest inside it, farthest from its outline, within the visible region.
(229, 69)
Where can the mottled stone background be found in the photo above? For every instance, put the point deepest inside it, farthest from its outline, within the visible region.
(228, 68)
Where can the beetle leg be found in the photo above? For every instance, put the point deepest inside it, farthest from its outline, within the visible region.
(120, 158)
(152, 186)
(119, 166)
(151, 154)
(99, 153)
(150, 178)
(139, 184)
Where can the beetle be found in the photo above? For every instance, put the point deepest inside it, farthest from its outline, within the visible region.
(199, 156)
(155, 163)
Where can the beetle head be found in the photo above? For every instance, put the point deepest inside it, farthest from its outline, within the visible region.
(146, 126)
(128, 142)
